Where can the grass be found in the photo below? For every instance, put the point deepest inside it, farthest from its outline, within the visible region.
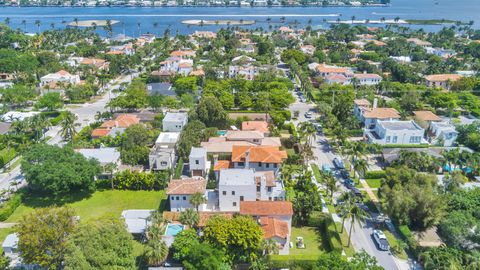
(316, 172)
(434, 22)
(314, 244)
(14, 165)
(349, 251)
(100, 203)
(374, 183)
(393, 241)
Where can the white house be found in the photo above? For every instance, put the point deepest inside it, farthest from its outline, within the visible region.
(198, 162)
(104, 155)
(61, 76)
(234, 186)
(370, 117)
(174, 122)
(444, 131)
(180, 191)
(395, 132)
(162, 156)
(368, 78)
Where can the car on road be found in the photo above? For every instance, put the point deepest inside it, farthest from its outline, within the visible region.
(357, 192)
(338, 163)
(318, 127)
(345, 174)
(380, 240)
(349, 183)
(326, 168)
(308, 115)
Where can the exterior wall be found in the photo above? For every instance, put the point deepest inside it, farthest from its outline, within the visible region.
(369, 81)
(198, 163)
(173, 126)
(179, 203)
(444, 85)
(388, 136)
(229, 196)
(258, 166)
(162, 160)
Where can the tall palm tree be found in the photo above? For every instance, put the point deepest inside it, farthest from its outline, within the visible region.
(190, 217)
(24, 23)
(68, 126)
(355, 214)
(155, 253)
(197, 199)
(347, 198)
(360, 166)
(110, 167)
(330, 183)
(38, 23)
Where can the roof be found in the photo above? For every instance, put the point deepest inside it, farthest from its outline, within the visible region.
(123, 121)
(100, 132)
(198, 152)
(419, 42)
(266, 208)
(331, 69)
(186, 186)
(183, 53)
(168, 137)
(269, 177)
(362, 102)
(244, 134)
(443, 77)
(175, 117)
(399, 125)
(237, 177)
(367, 76)
(334, 77)
(426, 116)
(221, 165)
(392, 154)
(382, 113)
(273, 227)
(264, 154)
(163, 88)
(136, 220)
(103, 155)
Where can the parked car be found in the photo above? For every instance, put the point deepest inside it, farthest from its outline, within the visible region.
(318, 127)
(349, 183)
(345, 174)
(326, 168)
(338, 163)
(357, 192)
(381, 240)
(308, 114)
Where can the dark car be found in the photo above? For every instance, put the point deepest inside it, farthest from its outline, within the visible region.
(345, 174)
(349, 183)
(357, 192)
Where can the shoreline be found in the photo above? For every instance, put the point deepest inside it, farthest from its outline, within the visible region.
(190, 6)
(218, 22)
(92, 23)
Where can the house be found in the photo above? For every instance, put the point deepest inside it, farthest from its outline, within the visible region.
(205, 34)
(395, 132)
(425, 118)
(325, 70)
(440, 52)
(259, 126)
(162, 156)
(371, 116)
(100, 64)
(243, 59)
(247, 72)
(163, 89)
(419, 42)
(60, 77)
(126, 49)
(444, 133)
(402, 59)
(267, 212)
(368, 78)
(337, 78)
(137, 221)
(259, 158)
(443, 81)
(174, 122)
(116, 126)
(198, 162)
(360, 106)
(180, 191)
(260, 3)
(183, 54)
(224, 144)
(307, 49)
(13, 116)
(105, 155)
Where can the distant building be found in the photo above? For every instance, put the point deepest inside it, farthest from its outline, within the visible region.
(368, 78)
(61, 77)
(163, 88)
(443, 81)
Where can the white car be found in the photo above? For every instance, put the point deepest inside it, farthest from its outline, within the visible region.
(308, 115)
(381, 240)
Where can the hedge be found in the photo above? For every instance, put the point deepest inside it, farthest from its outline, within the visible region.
(178, 169)
(7, 209)
(290, 262)
(408, 238)
(406, 146)
(375, 174)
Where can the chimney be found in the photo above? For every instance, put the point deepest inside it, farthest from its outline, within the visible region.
(375, 103)
(247, 159)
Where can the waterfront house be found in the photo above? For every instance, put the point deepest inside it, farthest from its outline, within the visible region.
(174, 122)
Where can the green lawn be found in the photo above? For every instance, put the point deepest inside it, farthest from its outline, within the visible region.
(316, 172)
(98, 204)
(313, 241)
(344, 238)
(393, 243)
(374, 183)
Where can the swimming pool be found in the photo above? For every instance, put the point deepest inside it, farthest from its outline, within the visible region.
(173, 229)
(221, 132)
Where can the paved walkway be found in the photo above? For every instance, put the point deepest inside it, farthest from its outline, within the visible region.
(5, 225)
(369, 191)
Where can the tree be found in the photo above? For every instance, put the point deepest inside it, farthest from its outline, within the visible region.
(270, 246)
(296, 55)
(240, 237)
(203, 256)
(155, 253)
(359, 261)
(189, 217)
(58, 171)
(355, 214)
(135, 97)
(183, 244)
(360, 166)
(68, 126)
(210, 111)
(197, 199)
(102, 243)
(43, 236)
(51, 101)
(306, 198)
(110, 167)
(331, 184)
(184, 85)
(135, 144)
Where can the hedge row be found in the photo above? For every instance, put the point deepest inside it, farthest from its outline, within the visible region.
(327, 225)
(178, 169)
(7, 209)
(289, 262)
(375, 174)
(408, 238)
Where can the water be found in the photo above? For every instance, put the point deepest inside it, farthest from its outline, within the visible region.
(139, 20)
(173, 229)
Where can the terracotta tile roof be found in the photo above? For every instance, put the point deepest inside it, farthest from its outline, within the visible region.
(122, 121)
(367, 76)
(183, 53)
(261, 126)
(185, 65)
(379, 43)
(63, 73)
(186, 186)
(264, 154)
(443, 77)
(362, 102)
(269, 178)
(198, 72)
(382, 113)
(266, 208)
(116, 52)
(331, 69)
(243, 134)
(426, 116)
(100, 132)
(222, 164)
(273, 227)
(334, 77)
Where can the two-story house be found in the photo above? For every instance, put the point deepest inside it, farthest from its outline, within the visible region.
(396, 132)
(443, 81)
(180, 191)
(198, 162)
(174, 122)
(259, 158)
(162, 156)
(443, 132)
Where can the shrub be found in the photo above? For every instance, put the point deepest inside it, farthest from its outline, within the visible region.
(178, 169)
(375, 174)
(9, 207)
(128, 180)
(282, 262)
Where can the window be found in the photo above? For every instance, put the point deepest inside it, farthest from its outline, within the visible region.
(394, 140)
(234, 203)
(241, 164)
(255, 140)
(178, 198)
(269, 189)
(197, 162)
(172, 198)
(269, 198)
(267, 165)
(258, 188)
(233, 192)
(387, 139)
(184, 198)
(241, 198)
(259, 164)
(275, 165)
(224, 192)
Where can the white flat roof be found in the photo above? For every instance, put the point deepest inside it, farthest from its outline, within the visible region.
(235, 177)
(103, 155)
(175, 117)
(168, 137)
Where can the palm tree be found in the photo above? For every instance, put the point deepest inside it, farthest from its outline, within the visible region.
(155, 253)
(330, 183)
(396, 19)
(68, 126)
(270, 246)
(190, 217)
(24, 23)
(110, 167)
(38, 23)
(7, 21)
(355, 214)
(197, 199)
(347, 198)
(360, 166)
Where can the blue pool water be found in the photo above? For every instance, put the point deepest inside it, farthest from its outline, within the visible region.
(174, 229)
(221, 132)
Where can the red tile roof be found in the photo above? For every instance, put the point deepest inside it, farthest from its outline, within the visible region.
(382, 113)
(426, 116)
(100, 132)
(266, 208)
(261, 126)
(273, 227)
(264, 154)
(221, 164)
(186, 186)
